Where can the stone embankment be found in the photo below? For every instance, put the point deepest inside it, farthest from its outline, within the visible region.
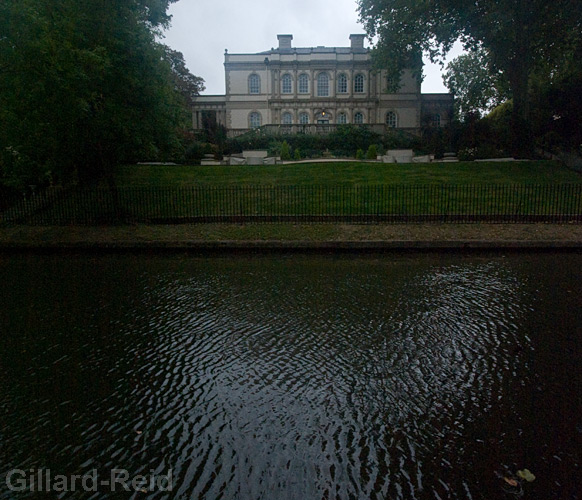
(295, 237)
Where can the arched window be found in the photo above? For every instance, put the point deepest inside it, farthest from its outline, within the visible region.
(286, 118)
(359, 83)
(342, 84)
(254, 84)
(303, 84)
(359, 118)
(342, 118)
(436, 120)
(303, 118)
(323, 85)
(286, 84)
(391, 119)
(255, 120)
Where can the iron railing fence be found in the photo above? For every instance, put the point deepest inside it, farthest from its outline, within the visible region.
(448, 203)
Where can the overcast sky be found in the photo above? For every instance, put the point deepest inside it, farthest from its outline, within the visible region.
(202, 29)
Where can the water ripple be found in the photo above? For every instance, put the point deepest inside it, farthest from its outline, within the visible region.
(304, 380)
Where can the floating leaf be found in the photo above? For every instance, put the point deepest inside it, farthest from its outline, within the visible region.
(526, 474)
(511, 482)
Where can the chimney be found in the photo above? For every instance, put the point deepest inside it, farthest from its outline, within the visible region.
(357, 42)
(285, 42)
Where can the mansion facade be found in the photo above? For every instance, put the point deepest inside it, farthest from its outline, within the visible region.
(289, 87)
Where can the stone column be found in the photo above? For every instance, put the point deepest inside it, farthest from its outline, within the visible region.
(313, 89)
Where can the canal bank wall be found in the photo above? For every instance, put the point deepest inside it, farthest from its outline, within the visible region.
(299, 238)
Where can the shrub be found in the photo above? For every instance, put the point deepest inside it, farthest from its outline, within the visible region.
(372, 152)
(398, 139)
(297, 154)
(467, 154)
(251, 140)
(349, 138)
(285, 153)
(360, 154)
(274, 148)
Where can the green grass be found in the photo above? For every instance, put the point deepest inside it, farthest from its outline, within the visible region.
(152, 203)
(157, 193)
(349, 173)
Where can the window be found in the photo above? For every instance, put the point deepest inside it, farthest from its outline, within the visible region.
(286, 84)
(286, 119)
(342, 84)
(254, 84)
(358, 118)
(255, 120)
(391, 119)
(342, 118)
(303, 118)
(436, 120)
(359, 83)
(323, 85)
(303, 84)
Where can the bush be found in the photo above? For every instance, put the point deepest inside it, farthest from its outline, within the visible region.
(251, 140)
(297, 154)
(274, 148)
(195, 151)
(349, 138)
(551, 141)
(467, 154)
(398, 139)
(360, 154)
(342, 142)
(285, 153)
(372, 152)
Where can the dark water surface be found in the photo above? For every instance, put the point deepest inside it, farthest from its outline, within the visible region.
(295, 377)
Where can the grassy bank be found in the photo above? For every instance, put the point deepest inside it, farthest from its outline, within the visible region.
(293, 204)
(320, 192)
(349, 173)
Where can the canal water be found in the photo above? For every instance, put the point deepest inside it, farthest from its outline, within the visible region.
(292, 376)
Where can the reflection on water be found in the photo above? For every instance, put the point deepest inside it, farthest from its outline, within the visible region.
(293, 376)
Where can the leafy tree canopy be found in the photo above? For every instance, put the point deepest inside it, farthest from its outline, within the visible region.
(519, 36)
(84, 85)
(477, 88)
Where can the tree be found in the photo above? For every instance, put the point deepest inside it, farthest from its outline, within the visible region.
(557, 99)
(519, 36)
(84, 86)
(185, 82)
(476, 87)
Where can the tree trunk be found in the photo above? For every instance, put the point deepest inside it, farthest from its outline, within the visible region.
(521, 133)
(519, 72)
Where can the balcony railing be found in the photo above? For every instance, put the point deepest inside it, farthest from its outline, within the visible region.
(317, 129)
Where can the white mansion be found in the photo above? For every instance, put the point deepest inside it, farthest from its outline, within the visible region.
(292, 88)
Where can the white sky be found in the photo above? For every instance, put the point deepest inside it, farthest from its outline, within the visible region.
(202, 29)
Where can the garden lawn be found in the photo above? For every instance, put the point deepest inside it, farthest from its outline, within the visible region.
(349, 174)
(466, 191)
